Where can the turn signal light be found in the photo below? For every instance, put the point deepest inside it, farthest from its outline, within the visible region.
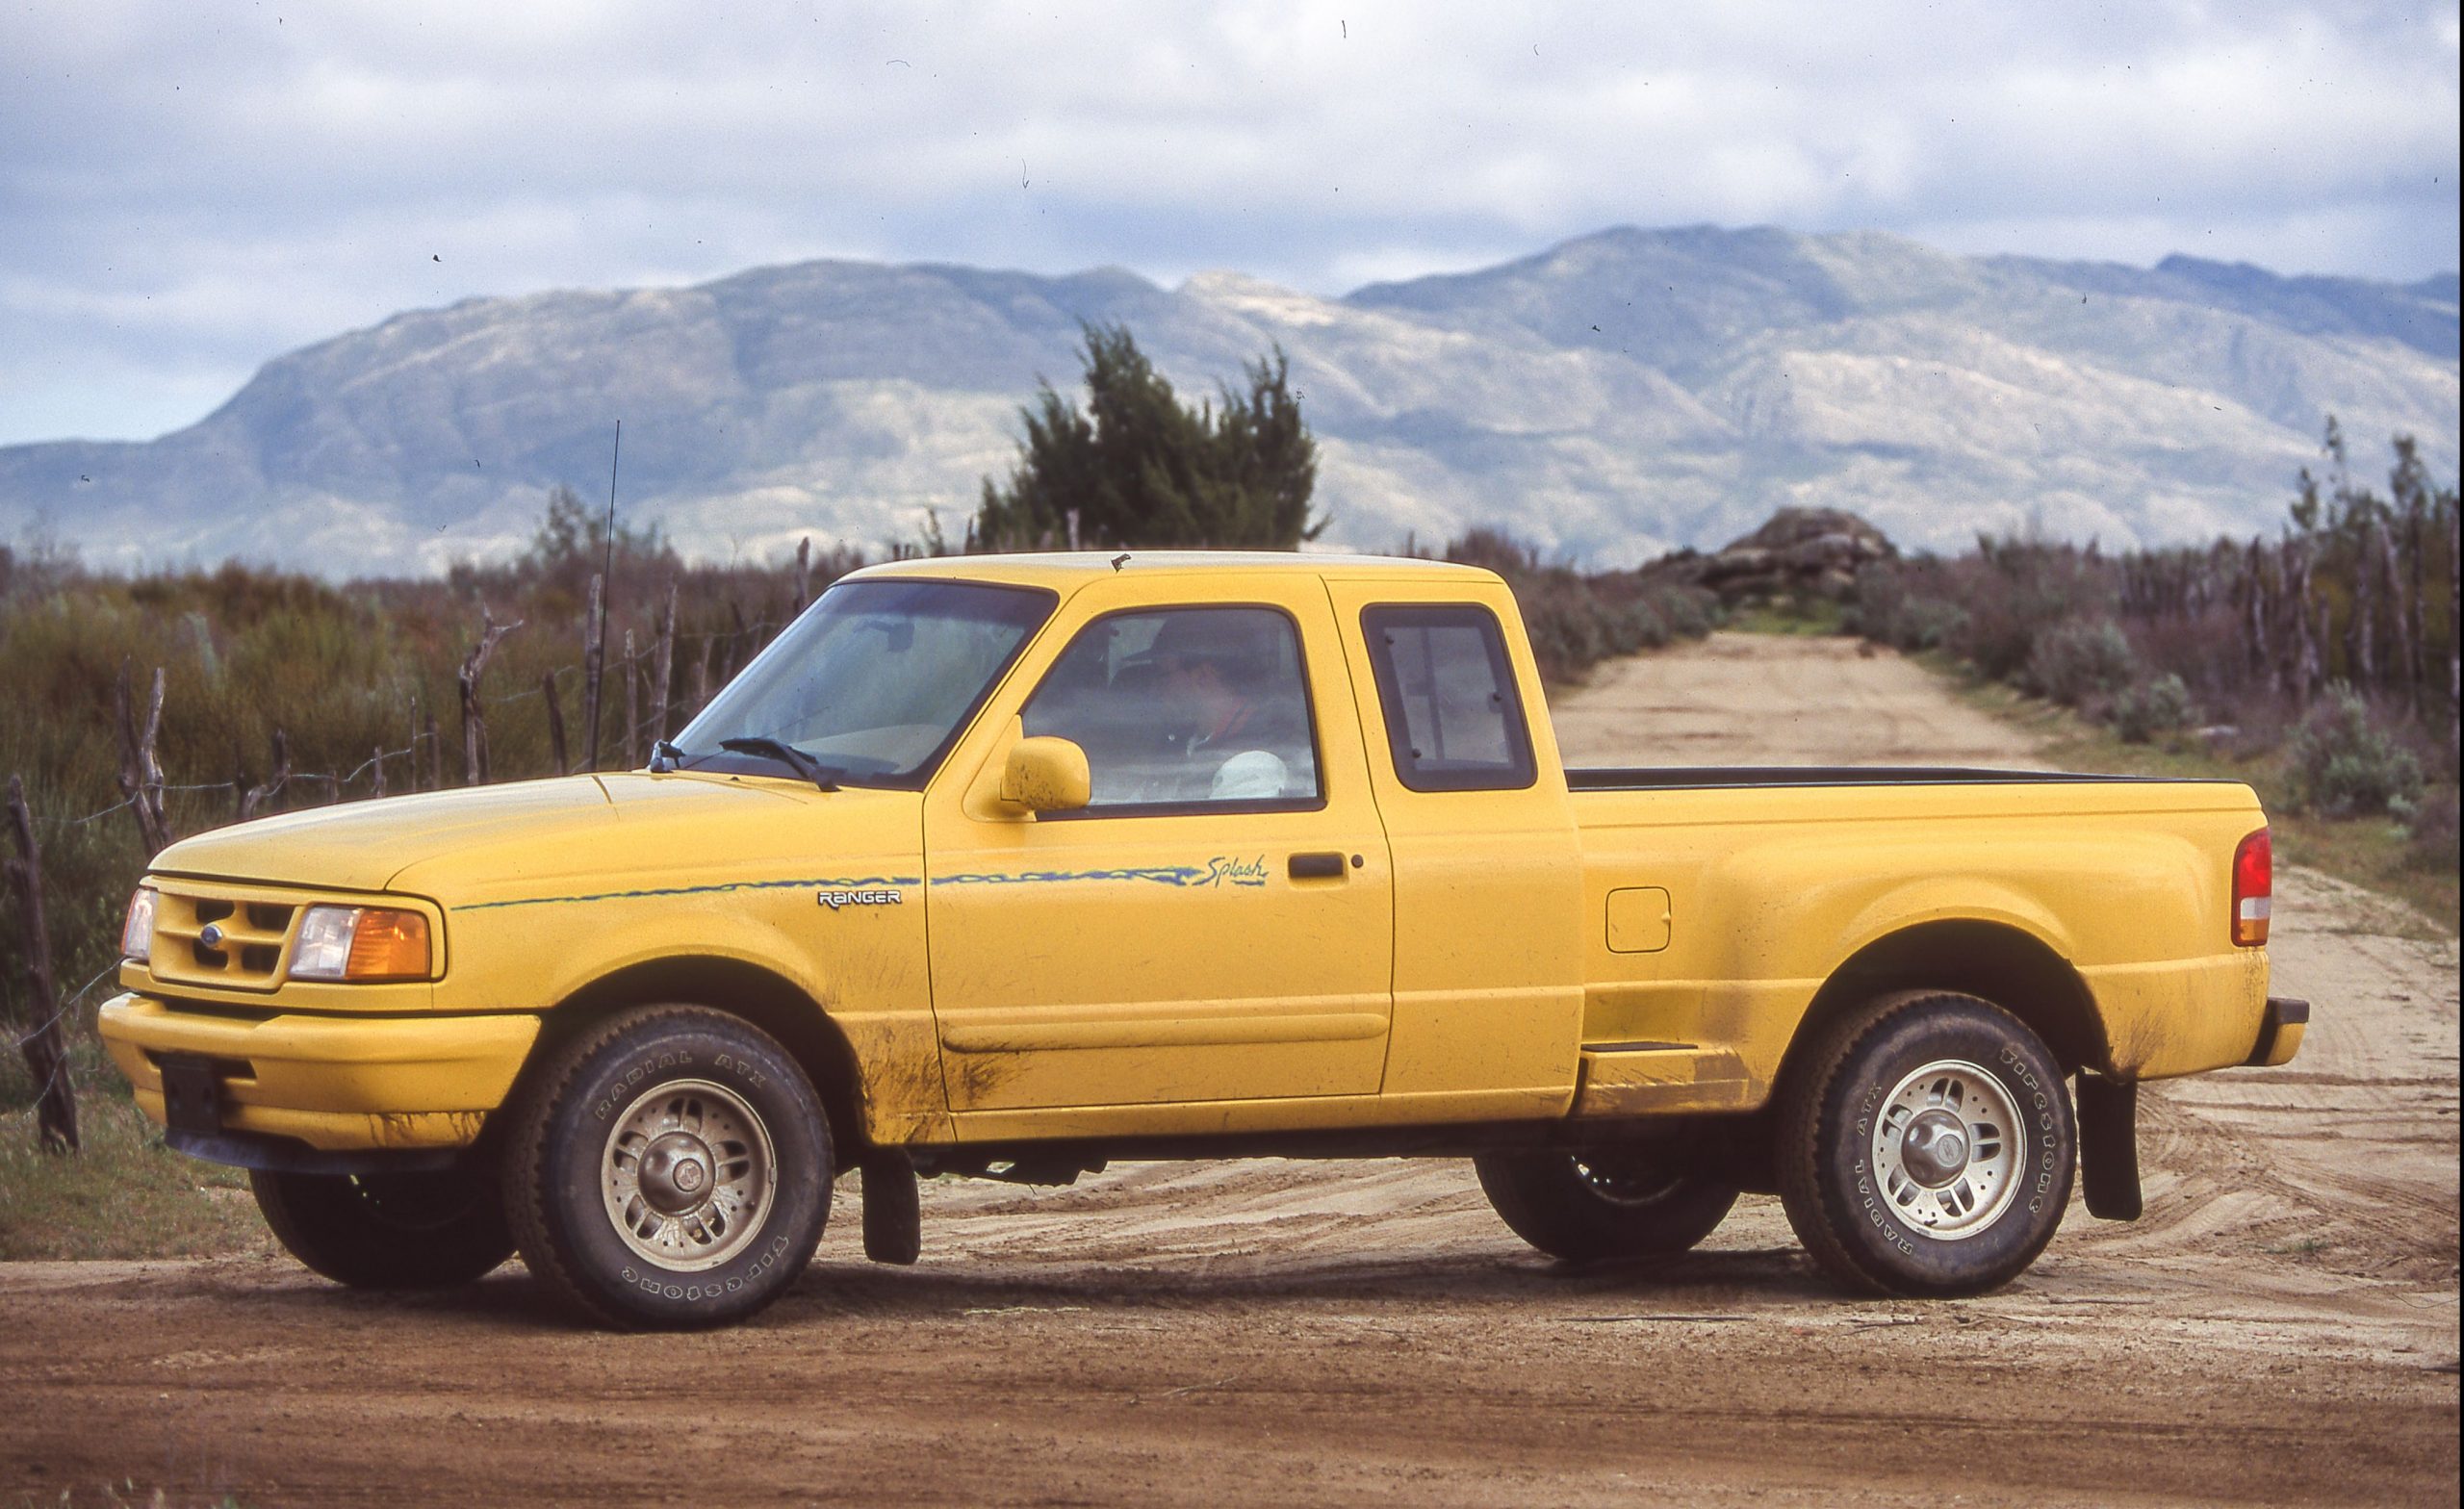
(2253, 888)
(388, 945)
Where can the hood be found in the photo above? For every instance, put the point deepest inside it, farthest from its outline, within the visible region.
(361, 846)
(516, 838)
(674, 831)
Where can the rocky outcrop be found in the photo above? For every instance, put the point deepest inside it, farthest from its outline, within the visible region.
(1799, 552)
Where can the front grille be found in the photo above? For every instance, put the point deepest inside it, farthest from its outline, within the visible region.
(205, 938)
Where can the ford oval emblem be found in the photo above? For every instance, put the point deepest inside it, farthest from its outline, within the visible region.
(213, 935)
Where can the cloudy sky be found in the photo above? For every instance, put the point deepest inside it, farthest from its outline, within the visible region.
(187, 189)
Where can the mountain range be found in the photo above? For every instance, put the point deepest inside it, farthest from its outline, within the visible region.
(1612, 397)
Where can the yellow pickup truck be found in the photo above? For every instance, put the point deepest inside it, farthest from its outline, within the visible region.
(1009, 866)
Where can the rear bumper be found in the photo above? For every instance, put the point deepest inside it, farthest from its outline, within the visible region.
(2280, 1033)
(335, 1083)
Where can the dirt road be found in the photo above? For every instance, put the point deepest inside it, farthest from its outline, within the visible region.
(2281, 1328)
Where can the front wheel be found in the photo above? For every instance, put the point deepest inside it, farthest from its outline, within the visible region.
(668, 1168)
(388, 1231)
(1628, 1200)
(1927, 1147)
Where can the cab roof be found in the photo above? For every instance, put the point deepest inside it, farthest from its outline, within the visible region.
(1066, 569)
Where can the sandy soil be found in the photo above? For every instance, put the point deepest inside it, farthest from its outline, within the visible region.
(2281, 1328)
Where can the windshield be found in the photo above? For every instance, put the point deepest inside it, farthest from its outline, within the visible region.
(873, 682)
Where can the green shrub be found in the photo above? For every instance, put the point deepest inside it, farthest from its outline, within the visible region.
(1637, 626)
(2080, 660)
(2150, 707)
(2429, 823)
(2345, 765)
(2017, 592)
(1577, 621)
(1930, 623)
(1889, 608)
(1689, 612)
(1567, 629)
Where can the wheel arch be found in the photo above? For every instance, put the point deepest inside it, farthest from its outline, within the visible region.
(1992, 960)
(765, 999)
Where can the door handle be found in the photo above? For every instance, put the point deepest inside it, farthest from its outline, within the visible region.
(1317, 867)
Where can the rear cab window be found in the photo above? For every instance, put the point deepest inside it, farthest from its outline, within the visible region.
(1454, 719)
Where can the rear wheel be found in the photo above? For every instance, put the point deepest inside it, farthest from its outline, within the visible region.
(1624, 1200)
(388, 1231)
(1927, 1148)
(670, 1167)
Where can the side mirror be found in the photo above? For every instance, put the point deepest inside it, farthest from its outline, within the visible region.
(1046, 775)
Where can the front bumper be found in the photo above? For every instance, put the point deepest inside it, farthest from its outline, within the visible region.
(335, 1083)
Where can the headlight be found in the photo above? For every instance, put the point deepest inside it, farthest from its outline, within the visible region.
(136, 934)
(361, 943)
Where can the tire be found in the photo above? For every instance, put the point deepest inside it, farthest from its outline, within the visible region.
(669, 1168)
(1628, 1200)
(1926, 1148)
(388, 1231)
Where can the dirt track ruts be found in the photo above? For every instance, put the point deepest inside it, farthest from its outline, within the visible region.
(2281, 1327)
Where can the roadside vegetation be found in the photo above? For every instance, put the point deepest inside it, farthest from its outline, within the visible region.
(1577, 620)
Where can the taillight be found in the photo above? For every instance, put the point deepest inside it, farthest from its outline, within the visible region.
(2254, 886)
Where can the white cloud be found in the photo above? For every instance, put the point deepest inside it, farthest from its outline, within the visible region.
(187, 187)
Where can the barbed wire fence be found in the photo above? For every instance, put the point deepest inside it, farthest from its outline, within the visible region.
(655, 701)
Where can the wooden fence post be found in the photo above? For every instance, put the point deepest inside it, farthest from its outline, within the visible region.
(474, 716)
(2256, 584)
(2419, 670)
(633, 703)
(556, 721)
(2365, 606)
(594, 659)
(2400, 617)
(140, 772)
(254, 798)
(2306, 667)
(2454, 610)
(663, 666)
(39, 1039)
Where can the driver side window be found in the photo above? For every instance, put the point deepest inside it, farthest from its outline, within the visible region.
(1186, 708)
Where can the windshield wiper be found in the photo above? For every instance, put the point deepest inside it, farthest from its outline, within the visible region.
(780, 749)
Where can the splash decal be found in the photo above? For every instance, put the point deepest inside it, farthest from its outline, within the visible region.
(1221, 870)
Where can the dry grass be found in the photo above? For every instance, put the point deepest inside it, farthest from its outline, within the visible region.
(124, 1196)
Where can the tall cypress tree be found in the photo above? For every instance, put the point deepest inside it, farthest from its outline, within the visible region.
(1137, 468)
